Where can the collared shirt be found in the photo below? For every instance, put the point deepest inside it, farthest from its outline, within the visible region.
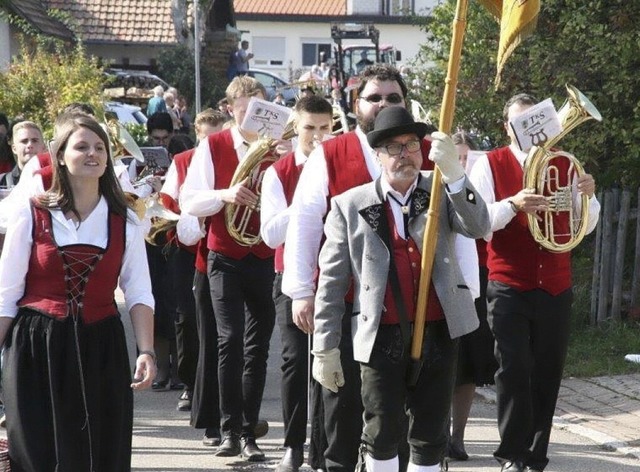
(500, 213)
(274, 211)
(198, 196)
(30, 185)
(306, 222)
(14, 261)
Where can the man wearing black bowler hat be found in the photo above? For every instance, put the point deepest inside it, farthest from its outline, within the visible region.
(373, 238)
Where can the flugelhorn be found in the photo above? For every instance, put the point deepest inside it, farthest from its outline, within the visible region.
(122, 143)
(563, 226)
(243, 222)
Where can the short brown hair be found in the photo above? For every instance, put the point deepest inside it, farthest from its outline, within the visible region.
(209, 117)
(244, 86)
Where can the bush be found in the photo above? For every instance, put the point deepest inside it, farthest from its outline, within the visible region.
(41, 81)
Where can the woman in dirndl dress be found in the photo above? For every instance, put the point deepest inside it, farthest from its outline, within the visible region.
(66, 373)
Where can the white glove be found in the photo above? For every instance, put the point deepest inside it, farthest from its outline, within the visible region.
(327, 369)
(444, 154)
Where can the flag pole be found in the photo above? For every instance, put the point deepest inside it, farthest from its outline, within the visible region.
(431, 229)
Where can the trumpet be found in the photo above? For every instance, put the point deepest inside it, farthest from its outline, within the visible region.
(552, 174)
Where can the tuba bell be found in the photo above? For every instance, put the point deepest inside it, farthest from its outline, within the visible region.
(243, 222)
(551, 173)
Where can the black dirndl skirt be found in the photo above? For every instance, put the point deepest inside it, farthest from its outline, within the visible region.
(57, 419)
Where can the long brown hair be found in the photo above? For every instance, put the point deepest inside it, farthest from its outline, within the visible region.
(61, 195)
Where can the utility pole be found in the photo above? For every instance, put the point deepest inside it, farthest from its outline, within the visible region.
(196, 32)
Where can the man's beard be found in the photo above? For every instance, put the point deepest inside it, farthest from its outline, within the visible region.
(365, 124)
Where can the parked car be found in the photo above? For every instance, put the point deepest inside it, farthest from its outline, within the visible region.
(274, 84)
(127, 114)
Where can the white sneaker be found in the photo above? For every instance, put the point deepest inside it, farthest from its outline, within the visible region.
(632, 358)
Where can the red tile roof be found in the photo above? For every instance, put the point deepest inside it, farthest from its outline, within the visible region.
(34, 12)
(291, 7)
(139, 21)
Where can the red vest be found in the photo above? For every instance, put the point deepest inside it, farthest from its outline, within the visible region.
(225, 163)
(407, 259)
(289, 174)
(514, 258)
(182, 162)
(481, 248)
(46, 288)
(46, 170)
(6, 166)
(202, 251)
(346, 165)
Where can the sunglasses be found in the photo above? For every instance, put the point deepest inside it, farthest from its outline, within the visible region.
(393, 98)
(395, 149)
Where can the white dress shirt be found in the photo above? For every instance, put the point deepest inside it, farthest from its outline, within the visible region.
(306, 220)
(274, 211)
(14, 261)
(500, 212)
(197, 196)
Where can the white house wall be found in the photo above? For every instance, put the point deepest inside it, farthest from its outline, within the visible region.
(406, 38)
(5, 46)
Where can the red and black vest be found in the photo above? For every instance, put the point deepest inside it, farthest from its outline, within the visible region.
(407, 259)
(225, 162)
(514, 258)
(59, 283)
(182, 162)
(289, 174)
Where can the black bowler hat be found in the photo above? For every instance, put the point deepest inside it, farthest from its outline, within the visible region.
(394, 121)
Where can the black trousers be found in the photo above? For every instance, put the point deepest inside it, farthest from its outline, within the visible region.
(386, 397)
(205, 406)
(343, 410)
(295, 375)
(243, 335)
(182, 269)
(531, 330)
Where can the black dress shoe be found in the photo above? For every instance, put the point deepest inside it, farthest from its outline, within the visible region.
(260, 429)
(250, 450)
(292, 460)
(211, 437)
(176, 385)
(456, 451)
(160, 384)
(184, 403)
(512, 467)
(230, 446)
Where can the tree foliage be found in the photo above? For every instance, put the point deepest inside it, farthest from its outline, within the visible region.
(592, 45)
(45, 77)
(176, 65)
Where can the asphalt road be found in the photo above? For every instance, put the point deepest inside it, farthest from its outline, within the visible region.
(164, 441)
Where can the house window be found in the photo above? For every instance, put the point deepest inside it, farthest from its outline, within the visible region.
(268, 51)
(312, 52)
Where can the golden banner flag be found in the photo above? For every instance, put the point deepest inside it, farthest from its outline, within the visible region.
(518, 19)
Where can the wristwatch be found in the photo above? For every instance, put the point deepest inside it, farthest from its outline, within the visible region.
(514, 208)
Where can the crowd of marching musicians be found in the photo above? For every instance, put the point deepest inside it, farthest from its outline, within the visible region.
(341, 226)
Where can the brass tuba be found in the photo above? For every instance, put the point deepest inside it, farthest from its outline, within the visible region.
(552, 173)
(243, 222)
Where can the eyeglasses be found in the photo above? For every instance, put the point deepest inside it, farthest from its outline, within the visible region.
(395, 149)
(393, 98)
